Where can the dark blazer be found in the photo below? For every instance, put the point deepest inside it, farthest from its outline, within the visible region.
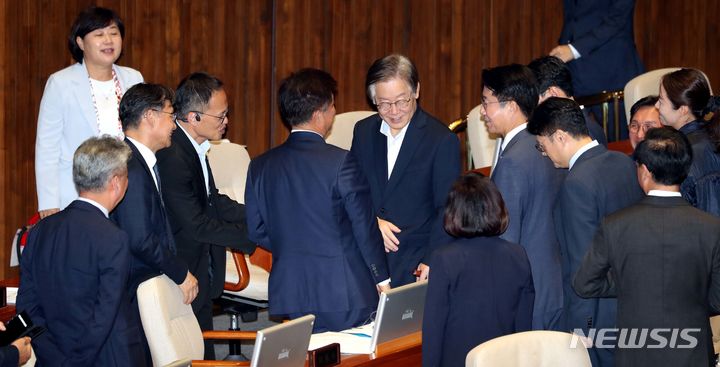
(601, 182)
(414, 197)
(480, 288)
(142, 216)
(661, 259)
(529, 183)
(9, 356)
(73, 274)
(699, 188)
(602, 32)
(203, 225)
(309, 203)
(596, 131)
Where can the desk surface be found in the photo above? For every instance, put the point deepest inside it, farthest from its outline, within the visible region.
(405, 351)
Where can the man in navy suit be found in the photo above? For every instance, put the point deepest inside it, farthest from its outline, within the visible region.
(527, 181)
(599, 182)
(147, 118)
(309, 203)
(74, 270)
(598, 45)
(554, 80)
(410, 160)
(203, 221)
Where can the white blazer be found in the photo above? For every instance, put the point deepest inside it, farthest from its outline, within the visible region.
(66, 119)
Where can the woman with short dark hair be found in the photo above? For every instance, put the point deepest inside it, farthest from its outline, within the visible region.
(79, 102)
(480, 286)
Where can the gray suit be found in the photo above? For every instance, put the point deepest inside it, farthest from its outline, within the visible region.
(661, 259)
(529, 183)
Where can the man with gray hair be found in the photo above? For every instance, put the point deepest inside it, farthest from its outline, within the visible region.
(74, 269)
(411, 160)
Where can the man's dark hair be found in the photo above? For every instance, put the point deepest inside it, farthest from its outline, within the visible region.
(648, 101)
(552, 72)
(304, 92)
(194, 92)
(140, 98)
(557, 113)
(87, 21)
(474, 208)
(666, 153)
(513, 82)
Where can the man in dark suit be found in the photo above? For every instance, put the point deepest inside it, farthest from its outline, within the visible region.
(528, 183)
(74, 270)
(598, 183)
(410, 160)
(661, 259)
(204, 222)
(309, 203)
(598, 44)
(554, 80)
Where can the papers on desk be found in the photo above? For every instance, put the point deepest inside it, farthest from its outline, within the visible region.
(10, 295)
(352, 341)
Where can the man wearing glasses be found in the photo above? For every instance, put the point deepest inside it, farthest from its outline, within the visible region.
(643, 117)
(528, 183)
(203, 221)
(411, 160)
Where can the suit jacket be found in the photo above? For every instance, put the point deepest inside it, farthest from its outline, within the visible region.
(9, 356)
(529, 183)
(203, 225)
(309, 203)
(413, 198)
(142, 216)
(66, 119)
(480, 288)
(601, 182)
(596, 131)
(699, 189)
(73, 273)
(636, 257)
(602, 32)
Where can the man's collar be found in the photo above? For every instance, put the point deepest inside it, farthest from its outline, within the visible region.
(511, 134)
(580, 152)
(201, 149)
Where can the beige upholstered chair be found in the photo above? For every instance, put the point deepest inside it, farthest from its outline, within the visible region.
(538, 348)
(341, 134)
(482, 144)
(171, 329)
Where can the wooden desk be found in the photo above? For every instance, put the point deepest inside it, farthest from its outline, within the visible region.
(7, 311)
(405, 351)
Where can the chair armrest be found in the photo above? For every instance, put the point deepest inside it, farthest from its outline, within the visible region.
(243, 273)
(197, 363)
(229, 335)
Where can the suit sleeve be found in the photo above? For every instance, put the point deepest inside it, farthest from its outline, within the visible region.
(9, 356)
(513, 186)
(134, 215)
(526, 302)
(714, 291)
(593, 278)
(579, 220)
(50, 126)
(355, 192)
(446, 169)
(613, 22)
(188, 212)
(257, 231)
(113, 265)
(436, 312)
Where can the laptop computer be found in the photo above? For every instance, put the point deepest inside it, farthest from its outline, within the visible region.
(400, 312)
(283, 345)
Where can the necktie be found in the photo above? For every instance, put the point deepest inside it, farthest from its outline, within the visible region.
(157, 178)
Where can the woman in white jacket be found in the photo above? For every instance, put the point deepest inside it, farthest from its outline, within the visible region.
(79, 102)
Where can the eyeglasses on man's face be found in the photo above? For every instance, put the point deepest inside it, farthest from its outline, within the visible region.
(636, 126)
(400, 104)
(486, 103)
(173, 115)
(221, 118)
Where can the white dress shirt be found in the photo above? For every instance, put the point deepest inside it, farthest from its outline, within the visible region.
(95, 204)
(393, 144)
(664, 193)
(149, 158)
(580, 151)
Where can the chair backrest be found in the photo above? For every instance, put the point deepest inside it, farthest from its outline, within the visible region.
(537, 348)
(482, 144)
(643, 85)
(171, 329)
(229, 163)
(341, 134)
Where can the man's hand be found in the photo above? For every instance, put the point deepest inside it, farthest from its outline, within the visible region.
(48, 212)
(562, 52)
(383, 288)
(189, 288)
(24, 349)
(388, 231)
(424, 271)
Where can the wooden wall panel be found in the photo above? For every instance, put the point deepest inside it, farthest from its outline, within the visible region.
(251, 45)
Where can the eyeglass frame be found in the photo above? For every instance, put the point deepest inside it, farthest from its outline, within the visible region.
(173, 114)
(221, 118)
(645, 126)
(541, 148)
(405, 102)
